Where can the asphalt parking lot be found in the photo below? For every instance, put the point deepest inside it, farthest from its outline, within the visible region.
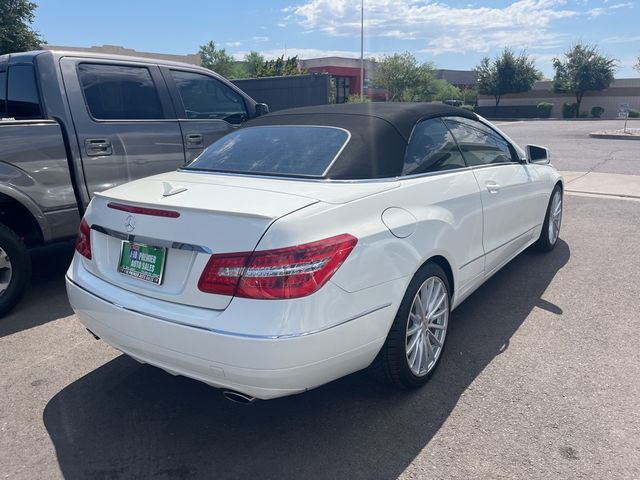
(573, 150)
(540, 377)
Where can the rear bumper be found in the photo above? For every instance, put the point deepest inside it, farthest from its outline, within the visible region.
(260, 366)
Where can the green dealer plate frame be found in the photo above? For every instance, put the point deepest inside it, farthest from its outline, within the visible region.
(143, 262)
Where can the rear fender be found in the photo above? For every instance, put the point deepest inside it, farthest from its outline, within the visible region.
(12, 194)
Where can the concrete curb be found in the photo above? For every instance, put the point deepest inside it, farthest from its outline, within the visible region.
(612, 136)
(602, 184)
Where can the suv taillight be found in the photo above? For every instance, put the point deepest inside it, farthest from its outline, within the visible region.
(277, 274)
(83, 240)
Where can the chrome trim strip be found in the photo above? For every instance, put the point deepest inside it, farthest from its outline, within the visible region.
(233, 334)
(151, 241)
(329, 181)
(347, 181)
(344, 145)
(26, 123)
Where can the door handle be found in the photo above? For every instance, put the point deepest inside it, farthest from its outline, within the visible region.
(194, 140)
(492, 187)
(97, 147)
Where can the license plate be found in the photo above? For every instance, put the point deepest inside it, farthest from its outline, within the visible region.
(143, 262)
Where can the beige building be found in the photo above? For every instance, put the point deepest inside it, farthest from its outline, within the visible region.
(623, 90)
(193, 59)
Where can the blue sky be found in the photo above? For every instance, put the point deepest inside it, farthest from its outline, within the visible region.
(455, 34)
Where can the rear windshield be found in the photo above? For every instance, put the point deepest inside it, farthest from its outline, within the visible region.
(274, 150)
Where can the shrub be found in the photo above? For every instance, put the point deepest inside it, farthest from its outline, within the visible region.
(357, 99)
(633, 113)
(468, 107)
(584, 114)
(569, 110)
(544, 109)
(597, 112)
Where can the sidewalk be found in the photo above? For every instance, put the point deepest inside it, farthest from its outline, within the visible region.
(602, 184)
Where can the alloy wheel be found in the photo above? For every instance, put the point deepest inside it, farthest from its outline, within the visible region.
(555, 217)
(427, 326)
(6, 271)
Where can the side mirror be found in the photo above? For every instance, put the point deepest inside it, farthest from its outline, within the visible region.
(261, 109)
(537, 154)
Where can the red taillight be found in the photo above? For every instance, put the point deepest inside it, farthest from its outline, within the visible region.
(143, 210)
(277, 274)
(83, 240)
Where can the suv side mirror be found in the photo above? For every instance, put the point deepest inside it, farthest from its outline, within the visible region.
(537, 154)
(261, 109)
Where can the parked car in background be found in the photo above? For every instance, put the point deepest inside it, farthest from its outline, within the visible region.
(312, 243)
(73, 124)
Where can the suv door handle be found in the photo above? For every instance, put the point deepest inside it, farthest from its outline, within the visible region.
(194, 140)
(492, 187)
(97, 147)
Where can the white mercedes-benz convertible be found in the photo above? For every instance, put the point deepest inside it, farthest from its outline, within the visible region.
(312, 243)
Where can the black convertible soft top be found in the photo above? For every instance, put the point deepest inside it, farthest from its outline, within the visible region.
(379, 132)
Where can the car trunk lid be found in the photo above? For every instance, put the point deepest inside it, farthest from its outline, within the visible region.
(183, 222)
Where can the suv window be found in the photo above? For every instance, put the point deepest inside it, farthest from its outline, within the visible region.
(274, 150)
(431, 149)
(118, 92)
(3, 94)
(206, 98)
(22, 93)
(479, 144)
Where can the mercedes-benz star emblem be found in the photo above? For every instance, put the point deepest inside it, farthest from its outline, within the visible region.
(130, 223)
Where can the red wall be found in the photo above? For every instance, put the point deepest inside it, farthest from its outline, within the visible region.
(354, 73)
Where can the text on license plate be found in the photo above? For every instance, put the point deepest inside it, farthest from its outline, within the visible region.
(142, 261)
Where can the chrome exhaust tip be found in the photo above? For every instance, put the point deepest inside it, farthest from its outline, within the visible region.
(237, 397)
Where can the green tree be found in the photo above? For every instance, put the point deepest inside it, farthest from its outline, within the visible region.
(16, 34)
(506, 73)
(443, 90)
(404, 79)
(219, 61)
(253, 62)
(280, 67)
(583, 69)
(470, 96)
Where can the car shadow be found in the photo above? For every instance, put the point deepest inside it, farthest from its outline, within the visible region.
(126, 420)
(46, 296)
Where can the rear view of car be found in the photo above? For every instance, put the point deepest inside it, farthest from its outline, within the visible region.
(194, 285)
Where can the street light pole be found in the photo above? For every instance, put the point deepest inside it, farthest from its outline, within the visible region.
(361, 50)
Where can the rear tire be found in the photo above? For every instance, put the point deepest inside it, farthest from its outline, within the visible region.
(15, 269)
(416, 340)
(552, 222)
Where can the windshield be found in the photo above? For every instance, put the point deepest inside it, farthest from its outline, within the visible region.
(274, 150)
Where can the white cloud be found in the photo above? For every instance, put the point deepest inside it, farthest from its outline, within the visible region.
(233, 44)
(439, 27)
(596, 12)
(260, 38)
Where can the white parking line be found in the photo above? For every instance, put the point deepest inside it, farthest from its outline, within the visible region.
(509, 123)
